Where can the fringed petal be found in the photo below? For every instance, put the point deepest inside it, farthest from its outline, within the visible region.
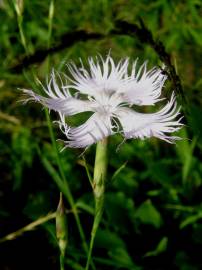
(103, 76)
(96, 128)
(66, 106)
(59, 99)
(159, 124)
(144, 87)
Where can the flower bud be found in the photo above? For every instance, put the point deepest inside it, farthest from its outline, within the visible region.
(61, 226)
(19, 6)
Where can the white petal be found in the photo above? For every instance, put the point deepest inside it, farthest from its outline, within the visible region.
(56, 88)
(96, 128)
(66, 106)
(59, 99)
(144, 88)
(159, 124)
(103, 76)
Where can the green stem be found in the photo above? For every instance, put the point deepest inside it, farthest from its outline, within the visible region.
(50, 28)
(66, 189)
(62, 261)
(22, 36)
(99, 181)
(50, 21)
(19, 13)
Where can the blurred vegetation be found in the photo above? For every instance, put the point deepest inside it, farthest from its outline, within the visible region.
(153, 212)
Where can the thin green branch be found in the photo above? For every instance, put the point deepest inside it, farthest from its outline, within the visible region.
(29, 227)
(19, 12)
(50, 21)
(84, 163)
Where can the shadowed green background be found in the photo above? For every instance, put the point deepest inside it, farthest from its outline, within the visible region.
(153, 209)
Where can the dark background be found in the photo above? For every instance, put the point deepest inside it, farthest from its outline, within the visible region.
(153, 209)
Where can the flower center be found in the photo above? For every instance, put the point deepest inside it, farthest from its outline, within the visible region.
(106, 109)
(107, 103)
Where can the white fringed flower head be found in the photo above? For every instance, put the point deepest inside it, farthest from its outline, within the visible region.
(109, 91)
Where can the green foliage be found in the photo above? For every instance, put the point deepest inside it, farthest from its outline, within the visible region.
(161, 247)
(148, 214)
(153, 200)
(22, 154)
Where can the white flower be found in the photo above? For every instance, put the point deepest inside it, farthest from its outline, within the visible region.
(109, 91)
